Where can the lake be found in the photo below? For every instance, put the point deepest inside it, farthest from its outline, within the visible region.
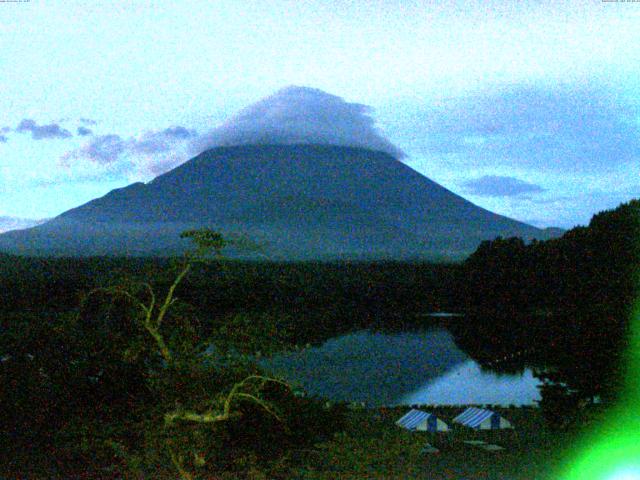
(424, 367)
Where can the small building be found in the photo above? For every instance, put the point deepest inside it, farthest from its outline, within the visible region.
(482, 419)
(417, 420)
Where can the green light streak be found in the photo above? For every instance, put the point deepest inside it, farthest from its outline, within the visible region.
(612, 450)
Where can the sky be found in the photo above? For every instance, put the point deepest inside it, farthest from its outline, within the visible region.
(530, 109)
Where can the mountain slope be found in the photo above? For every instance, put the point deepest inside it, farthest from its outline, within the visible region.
(298, 201)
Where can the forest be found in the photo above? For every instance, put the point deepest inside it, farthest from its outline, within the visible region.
(86, 385)
(566, 302)
(136, 365)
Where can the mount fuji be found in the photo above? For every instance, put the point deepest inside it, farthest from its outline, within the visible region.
(303, 174)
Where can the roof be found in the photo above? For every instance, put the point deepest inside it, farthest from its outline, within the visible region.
(473, 417)
(412, 419)
(419, 420)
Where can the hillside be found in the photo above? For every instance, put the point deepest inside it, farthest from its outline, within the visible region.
(298, 201)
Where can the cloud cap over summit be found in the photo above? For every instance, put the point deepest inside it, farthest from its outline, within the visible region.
(300, 115)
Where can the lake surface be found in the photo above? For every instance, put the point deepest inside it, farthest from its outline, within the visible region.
(400, 369)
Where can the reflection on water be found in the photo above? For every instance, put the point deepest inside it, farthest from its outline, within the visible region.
(399, 368)
(467, 383)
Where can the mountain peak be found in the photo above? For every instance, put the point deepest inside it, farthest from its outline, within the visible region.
(300, 115)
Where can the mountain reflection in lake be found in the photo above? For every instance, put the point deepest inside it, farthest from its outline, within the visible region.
(400, 369)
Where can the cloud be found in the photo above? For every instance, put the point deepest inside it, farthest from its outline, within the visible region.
(151, 153)
(569, 129)
(40, 132)
(299, 115)
(103, 149)
(5, 129)
(88, 121)
(179, 132)
(499, 186)
(569, 211)
(291, 115)
(160, 141)
(3, 139)
(14, 223)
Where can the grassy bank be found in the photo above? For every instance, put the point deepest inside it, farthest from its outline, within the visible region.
(372, 446)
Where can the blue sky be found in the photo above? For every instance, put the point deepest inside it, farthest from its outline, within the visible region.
(530, 109)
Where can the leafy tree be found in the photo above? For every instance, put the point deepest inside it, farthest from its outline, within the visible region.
(132, 380)
(190, 397)
(565, 301)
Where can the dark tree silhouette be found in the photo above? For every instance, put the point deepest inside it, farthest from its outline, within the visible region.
(565, 301)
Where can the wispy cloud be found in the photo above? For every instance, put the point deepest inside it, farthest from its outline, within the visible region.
(569, 129)
(161, 141)
(300, 115)
(88, 121)
(152, 152)
(102, 149)
(179, 132)
(84, 131)
(291, 115)
(3, 139)
(42, 132)
(13, 223)
(500, 186)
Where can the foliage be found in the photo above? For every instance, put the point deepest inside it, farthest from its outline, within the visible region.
(372, 446)
(565, 302)
(129, 381)
(76, 378)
